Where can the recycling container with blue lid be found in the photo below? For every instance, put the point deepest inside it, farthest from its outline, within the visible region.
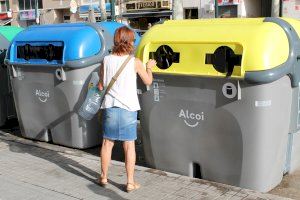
(50, 67)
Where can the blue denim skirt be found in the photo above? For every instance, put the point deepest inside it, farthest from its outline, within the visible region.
(119, 124)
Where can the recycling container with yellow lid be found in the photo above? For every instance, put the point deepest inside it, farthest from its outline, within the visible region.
(224, 98)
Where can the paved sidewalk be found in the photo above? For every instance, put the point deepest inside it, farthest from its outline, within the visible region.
(37, 170)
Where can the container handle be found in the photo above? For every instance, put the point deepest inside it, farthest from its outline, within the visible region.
(60, 74)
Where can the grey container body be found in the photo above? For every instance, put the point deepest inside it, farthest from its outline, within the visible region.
(236, 139)
(46, 106)
(7, 109)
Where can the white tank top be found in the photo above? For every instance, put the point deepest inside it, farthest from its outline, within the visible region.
(123, 93)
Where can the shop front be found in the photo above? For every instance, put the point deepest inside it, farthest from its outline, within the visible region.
(28, 17)
(5, 13)
(143, 14)
(228, 8)
(5, 18)
(243, 8)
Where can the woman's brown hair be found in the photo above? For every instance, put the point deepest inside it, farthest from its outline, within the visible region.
(123, 41)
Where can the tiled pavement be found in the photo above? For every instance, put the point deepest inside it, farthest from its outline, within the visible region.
(37, 170)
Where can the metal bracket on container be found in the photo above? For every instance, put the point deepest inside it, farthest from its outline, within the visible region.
(15, 72)
(148, 87)
(239, 91)
(60, 74)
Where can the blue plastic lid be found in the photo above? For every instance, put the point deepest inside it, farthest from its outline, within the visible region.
(60, 43)
(76, 40)
(111, 27)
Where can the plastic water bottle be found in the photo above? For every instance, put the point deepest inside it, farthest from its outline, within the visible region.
(91, 104)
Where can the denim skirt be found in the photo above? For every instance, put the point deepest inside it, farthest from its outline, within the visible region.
(119, 124)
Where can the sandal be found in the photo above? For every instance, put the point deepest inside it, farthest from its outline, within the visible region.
(103, 182)
(132, 186)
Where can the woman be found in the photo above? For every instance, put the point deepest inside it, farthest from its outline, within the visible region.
(121, 103)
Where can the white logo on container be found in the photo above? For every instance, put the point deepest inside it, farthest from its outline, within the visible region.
(191, 119)
(42, 95)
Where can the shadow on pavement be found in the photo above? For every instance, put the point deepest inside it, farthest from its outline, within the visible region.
(12, 127)
(115, 196)
(118, 185)
(118, 153)
(72, 166)
(67, 164)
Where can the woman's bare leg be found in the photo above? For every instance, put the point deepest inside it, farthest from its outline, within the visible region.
(130, 157)
(106, 149)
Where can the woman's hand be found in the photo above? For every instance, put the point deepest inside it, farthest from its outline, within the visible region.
(150, 64)
(100, 86)
(145, 74)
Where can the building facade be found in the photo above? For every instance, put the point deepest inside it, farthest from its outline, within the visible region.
(140, 14)
(194, 9)
(291, 8)
(49, 11)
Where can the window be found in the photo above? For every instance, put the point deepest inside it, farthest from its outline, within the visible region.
(40, 2)
(67, 18)
(29, 4)
(21, 5)
(191, 13)
(227, 11)
(4, 5)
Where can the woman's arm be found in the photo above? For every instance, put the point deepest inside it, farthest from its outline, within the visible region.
(145, 74)
(101, 76)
